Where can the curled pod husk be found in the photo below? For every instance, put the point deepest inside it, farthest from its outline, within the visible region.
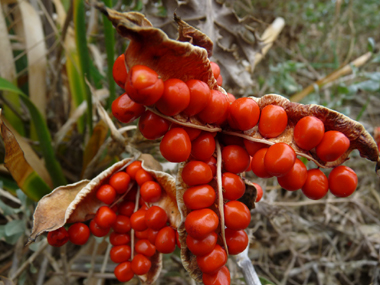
(359, 138)
(185, 58)
(77, 202)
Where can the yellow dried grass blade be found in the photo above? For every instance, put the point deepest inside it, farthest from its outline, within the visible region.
(29, 28)
(8, 71)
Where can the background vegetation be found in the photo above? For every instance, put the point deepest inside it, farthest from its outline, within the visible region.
(47, 48)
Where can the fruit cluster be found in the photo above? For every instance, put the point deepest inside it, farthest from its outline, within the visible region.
(211, 233)
(137, 229)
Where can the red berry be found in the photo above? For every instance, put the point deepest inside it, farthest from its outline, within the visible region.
(119, 239)
(176, 145)
(260, 192)
(133, 168)
(200, 223)
(308, 132)
(244, 114)
(279, 159)
(257, 164)
(253, 147)
(215, 109)
(200, 96)
(79, 233)
(273, 121)
(175, 99)
(126, 208)
(122, 225)
(295, 178)
(120, 253)
(106, 193)
(119, 71)
(140, 264)
(58, 237)
(236, 215)
(236, 241)
(165, 240)
(332, 146)
(123, 272)
(153, 126)
(120, 181)
(202, 246)
(138, 220)
(235, 158)
(215, 69)
(143, 85)
(220, 277)
(203, 147)
(316, 185)
(196, 173)
(199, 197)
(126, 110)
(342, 181)
(233, 186)
(144, 247)
(156, 218)
(213, 261)
(98, 231)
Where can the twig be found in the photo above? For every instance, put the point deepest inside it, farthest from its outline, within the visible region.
(347, 69)
(43, 267)
(104, 264)
(30, 260)
(85, 274)
(268, 37)
(16, 257)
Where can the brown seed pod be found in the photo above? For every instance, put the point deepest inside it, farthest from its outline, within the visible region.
(78, 203)
(359, 138)
(185, 58)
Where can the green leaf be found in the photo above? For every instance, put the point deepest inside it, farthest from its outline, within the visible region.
(8, 210)
(371, 44)
(265, 281)
(109, 34)
(84, 57)
(43, 134)
(14, 227)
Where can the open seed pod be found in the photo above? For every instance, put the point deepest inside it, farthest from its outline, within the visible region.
(359, 138)
(188, 258)
(184, 59)
(78, 203)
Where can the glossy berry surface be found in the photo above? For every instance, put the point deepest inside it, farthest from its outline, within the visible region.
(199, 197)
(200, 96)
(123, 272)
(119, 71)
(253, 147)
(220, 277)
(200, 223)
(78, 233)
(119, 239)
(126, 110)
(143, 176)
(133, 168)
(233, 186)
(150, 191)
(235, 159)
(98, 231)
(120, 253)
(215, 109)
(176, 145)
(203, 147)
(236, 241)
(309, 132)
(175, 99)
(106, 193)
(165, 240)
(260, 192)
(152, 126)
(144, 247)
(156, 218)
(342, 181)
(138, 220)
(244, 114)
(279, 159)
(140, 264)
(211, 262)
(58, 237)
(332, 146)
(120, 181)
(143, 85)
(196, 173)
(202, 246)
(215, 69)
(122, 224)
(316, 184)
(257, 164)
(273, 121)
(237, 215)
(105, 217)
(295, 178)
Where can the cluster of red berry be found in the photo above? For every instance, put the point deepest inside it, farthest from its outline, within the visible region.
(147, 223)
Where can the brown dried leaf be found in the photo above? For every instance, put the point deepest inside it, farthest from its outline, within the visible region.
(235, 42)
(359, 138)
